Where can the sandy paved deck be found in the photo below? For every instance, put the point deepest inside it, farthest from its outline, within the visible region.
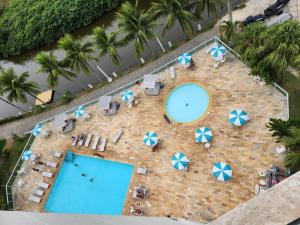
(194, 194)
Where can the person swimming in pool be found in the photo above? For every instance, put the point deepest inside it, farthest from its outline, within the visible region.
(75, 164)
(92, 179)
(83, 174)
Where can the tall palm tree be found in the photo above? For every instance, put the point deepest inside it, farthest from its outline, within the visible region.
(199, 6)
(107, 43)
(16, 87)
(78, 54)
(136, 24)
(173, 10)
(282, 44)
(53, 68)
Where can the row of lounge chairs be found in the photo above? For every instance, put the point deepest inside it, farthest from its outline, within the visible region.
(38, 193)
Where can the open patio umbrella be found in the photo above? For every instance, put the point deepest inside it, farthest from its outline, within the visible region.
(238, 117)
(26, 155)
(150, 139)
(218, 52)
(37, 130)
(79, 111)
(127, 96)
(222, 171)
(184, 58)
(203, 135)
(180, 161)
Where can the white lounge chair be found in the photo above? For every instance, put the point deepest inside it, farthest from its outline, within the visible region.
(142, 170)
(81, 139)
(37, 192)
(47, 174)
(117, 136)
(95, 142)
(43, 185)
(57, 154)
(74, 140)
(34, 198)
(103, 144)
(88, 140)
(172, 72)
(51, 164)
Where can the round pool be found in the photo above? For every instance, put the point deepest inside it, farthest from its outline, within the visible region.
(187, 103)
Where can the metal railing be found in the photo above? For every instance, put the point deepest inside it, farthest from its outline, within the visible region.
(9, 184)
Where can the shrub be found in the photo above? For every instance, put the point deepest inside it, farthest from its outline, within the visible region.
(67, 97)
(27, 24)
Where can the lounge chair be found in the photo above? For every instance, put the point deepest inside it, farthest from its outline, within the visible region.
(95, 142)
(259, 189)
(43, 185)
(140, 192)
(47, 174)
(172, 72)
(117, 136)
(136, 211)
(74, 140)
(103, 144)
(37, 192)
(88, 140)
(280, 149)
(142, 170)
(57, 154)
(51, 164)
(81, 139)
(34, 198)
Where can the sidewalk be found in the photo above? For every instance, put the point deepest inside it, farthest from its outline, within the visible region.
(19, 127)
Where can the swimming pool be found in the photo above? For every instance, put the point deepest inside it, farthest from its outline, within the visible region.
(187, 103)
(102, 190)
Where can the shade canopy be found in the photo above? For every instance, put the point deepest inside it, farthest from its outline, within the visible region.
(127, 96)
(203, 135)
(222, 171)
(184, 58)
(150, 139)
(238, 117)
(104, 102)
(180, 161)
(218, 52)
(37, 130)
(26, 155)
(149, 81)
(79, 111)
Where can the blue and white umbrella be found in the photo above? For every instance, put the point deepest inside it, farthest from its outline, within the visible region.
(26, 155)
(218, 52)
(180, 161)
(222, 171)
(79, 111)
(127, 96)
(238, 117)
(185, 58)
(150, 139)
(37, 130)
(203, 135)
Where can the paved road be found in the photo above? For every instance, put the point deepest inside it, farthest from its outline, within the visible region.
(21, 126)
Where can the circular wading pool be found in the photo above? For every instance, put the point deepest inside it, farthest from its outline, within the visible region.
(187, 103)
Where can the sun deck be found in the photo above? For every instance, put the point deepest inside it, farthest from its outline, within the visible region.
(194, 194)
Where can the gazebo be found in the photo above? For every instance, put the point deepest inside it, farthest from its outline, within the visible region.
(107, 105)
(151, 85)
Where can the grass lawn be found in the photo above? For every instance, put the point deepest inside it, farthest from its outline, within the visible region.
(292, 85)
(15, 150)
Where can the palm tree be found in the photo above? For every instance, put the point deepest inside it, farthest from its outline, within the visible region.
(292, 161)
(107, 43)
(229, 6)
(78, 54)
(282, 44)
(173, 10)
(228, 31)
(199, 7)
(53, 68)
(292, 140)
(136, 24)
(13, 105)
(16, 87)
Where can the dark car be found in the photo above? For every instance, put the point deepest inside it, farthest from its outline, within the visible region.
(275, 8)
(252, 19)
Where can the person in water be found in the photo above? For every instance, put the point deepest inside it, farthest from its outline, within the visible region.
(92, 179)
(83, 175)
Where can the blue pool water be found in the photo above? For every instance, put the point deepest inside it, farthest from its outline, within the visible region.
(187, 103)
(73, 193)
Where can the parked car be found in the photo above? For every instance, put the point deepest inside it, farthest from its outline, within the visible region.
(273, 9)
(252, 19)
(279, 19)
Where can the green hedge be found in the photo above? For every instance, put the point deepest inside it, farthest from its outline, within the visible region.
(27, 24)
